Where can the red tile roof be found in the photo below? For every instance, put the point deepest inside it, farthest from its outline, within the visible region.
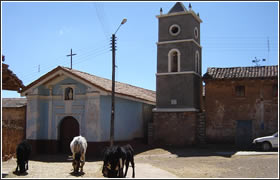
(105, 84)
(10, 81)
(241, 72)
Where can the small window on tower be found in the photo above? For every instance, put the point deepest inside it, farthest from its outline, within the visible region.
(197, 64)
(196, 32)
(174, 30)
(174, 62)
(240, 91)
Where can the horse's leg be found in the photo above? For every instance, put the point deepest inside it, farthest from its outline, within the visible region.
(121, 167)
(132, 164)
(83, 161)
(27, 165)
(126, 162)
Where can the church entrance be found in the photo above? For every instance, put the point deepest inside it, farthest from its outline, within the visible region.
(69, 128)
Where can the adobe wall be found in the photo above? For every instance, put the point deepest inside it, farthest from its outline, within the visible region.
(174, 128)
(223, 108)
(13, 130)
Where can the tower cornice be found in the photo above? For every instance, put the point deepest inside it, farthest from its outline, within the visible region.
(181, 13)
(179, 41)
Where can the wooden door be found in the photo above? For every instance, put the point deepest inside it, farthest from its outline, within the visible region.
(69, 128)
(243, 136)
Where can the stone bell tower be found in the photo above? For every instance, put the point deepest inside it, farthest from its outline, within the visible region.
(178, 78)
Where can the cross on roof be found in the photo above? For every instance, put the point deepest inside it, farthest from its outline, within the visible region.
(71, 57)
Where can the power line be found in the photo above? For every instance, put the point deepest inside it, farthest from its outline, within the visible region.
(102, 18)
(62, 60)
(82, 59)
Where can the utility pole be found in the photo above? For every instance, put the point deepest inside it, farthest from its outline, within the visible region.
(71, 57)
(112, 128)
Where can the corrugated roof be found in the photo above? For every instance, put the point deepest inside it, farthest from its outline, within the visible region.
(241, 72)
(105, 84)
(14, 102)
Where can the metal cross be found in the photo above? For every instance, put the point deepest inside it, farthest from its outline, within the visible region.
(71, 57)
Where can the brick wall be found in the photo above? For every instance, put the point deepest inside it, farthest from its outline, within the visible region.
(223, 108)
(174, 128)
(13, 130)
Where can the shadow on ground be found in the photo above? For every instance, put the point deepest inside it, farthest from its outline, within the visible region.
(20, 174)
(203, 150)
(61, 157)
(77, 174)
(224, 150)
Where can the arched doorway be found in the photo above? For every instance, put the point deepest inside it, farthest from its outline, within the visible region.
(69, 128)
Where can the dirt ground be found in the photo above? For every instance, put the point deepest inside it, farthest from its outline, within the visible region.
(182, 162)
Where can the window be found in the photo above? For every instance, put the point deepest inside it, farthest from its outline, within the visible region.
(174, 30)
(68, 94)
(240, 91)
(274, 90)
(196, 32)
(174, 60)
(197, 64)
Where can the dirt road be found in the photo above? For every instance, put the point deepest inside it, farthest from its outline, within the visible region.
(165, 163)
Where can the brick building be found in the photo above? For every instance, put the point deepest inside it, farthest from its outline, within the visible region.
(13, 113)
(13, 125)
(241, 103)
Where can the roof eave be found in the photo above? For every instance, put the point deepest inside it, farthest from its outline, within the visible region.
(180, 13)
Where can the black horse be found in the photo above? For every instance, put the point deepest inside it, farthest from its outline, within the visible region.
(23, 152)
(115, 157)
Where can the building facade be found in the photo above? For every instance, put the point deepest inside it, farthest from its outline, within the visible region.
(241, 103)
(13, 112)
(65, 103)
(13, 125)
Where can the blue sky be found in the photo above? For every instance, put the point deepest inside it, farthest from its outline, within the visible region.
(41, 34)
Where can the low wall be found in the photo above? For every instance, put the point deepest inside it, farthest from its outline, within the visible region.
(13, 130)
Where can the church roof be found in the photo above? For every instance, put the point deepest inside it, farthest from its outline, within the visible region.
(241, 72)
(104, 84)
(178, 7)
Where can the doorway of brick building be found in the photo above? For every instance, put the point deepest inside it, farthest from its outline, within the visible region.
(243, 135)
(69, 128)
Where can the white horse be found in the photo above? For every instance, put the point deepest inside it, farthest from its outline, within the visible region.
(78, 148)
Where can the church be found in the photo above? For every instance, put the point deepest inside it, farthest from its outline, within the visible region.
(66, 102)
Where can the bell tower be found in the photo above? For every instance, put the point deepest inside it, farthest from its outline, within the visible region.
(178, 77)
